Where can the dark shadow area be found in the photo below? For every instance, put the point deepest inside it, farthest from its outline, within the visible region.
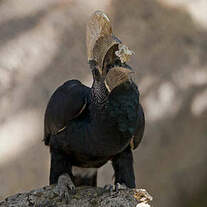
(15, 27)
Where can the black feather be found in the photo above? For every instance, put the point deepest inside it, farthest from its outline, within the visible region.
(100, 132)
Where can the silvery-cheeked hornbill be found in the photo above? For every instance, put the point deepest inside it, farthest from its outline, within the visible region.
(86, 127)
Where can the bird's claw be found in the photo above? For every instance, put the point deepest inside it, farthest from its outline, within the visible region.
(63, 192)
(119, 186)
(109, 187)
(65, 187)
(116, 187)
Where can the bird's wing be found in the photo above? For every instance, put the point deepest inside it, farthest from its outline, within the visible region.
(66, 103)
(139, 129)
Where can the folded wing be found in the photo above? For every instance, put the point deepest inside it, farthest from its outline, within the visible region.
(67, 102)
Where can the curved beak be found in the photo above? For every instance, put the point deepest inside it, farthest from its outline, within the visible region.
(99, 38)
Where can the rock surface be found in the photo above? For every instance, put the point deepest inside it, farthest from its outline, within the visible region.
(84, 196)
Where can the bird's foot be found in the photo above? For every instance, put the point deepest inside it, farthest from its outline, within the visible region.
(65, 187)
(116, 187)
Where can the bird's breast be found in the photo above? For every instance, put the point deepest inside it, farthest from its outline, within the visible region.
(105, 132)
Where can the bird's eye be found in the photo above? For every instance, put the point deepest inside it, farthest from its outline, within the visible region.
(117, 61)
(96, 72)
(108, 67)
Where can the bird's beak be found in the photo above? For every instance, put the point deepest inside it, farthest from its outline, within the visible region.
(100, 39)
(117, 76)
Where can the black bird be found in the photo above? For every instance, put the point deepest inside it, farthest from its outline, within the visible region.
(86, 127)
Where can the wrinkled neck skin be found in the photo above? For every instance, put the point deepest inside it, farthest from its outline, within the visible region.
(99, 94)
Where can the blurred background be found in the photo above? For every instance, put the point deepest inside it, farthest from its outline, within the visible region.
(42, 44)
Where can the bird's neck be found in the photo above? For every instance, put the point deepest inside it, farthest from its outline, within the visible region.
(99, 93)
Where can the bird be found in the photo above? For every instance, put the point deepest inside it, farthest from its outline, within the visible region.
(85, 127)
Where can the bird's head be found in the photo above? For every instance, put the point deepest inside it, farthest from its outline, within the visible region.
(107, 57)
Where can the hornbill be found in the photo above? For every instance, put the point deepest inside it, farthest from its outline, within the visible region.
(86, 127)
